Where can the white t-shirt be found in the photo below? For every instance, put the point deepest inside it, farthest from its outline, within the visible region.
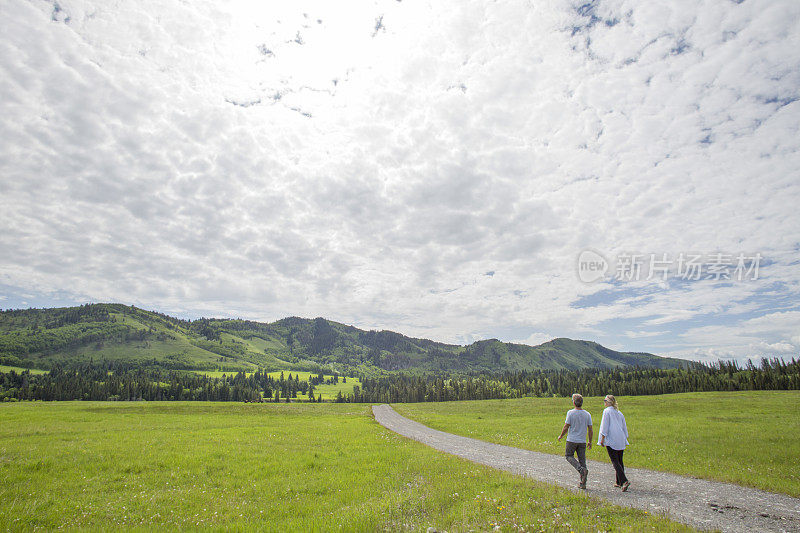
(614, 429)
(578, 420)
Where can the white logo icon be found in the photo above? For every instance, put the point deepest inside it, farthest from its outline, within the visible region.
(591, 266)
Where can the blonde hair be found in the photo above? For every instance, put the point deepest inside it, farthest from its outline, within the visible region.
(613, 401)
(577, 399)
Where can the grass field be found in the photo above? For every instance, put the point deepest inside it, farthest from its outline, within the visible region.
(19, 370)
(748, 438)
(328, 392)
(271, 467)
(218, 373)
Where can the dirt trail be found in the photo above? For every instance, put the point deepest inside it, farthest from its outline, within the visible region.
(697, 502)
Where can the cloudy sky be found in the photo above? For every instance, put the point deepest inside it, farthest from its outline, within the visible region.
(435, 168)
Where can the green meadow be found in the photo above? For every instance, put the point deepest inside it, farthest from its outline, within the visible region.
(748, 438)
(19, 370)
(219, 373)
(270, 467)
(328, 391)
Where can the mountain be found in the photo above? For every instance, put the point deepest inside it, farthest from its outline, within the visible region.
(94, 333)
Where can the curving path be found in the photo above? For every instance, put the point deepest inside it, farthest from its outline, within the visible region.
(697, 502)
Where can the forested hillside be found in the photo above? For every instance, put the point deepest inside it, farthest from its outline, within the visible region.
(103, 333)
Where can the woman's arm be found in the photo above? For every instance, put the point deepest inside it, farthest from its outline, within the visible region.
(624, 426)
(603, 431)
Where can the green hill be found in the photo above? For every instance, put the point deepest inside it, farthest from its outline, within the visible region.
(94, 333)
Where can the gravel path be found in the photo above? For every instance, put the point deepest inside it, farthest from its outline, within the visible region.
(697, 502)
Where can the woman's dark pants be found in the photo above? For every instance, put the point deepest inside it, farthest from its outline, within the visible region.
(616, 460)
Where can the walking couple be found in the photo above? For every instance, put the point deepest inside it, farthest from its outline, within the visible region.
(613, 436)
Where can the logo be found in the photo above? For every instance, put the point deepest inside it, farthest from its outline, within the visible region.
(591, 266)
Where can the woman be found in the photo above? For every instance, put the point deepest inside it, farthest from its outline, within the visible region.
(614, 437)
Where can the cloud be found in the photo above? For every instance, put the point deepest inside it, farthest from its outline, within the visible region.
(644, 334)
(535, 339)
(768, 335)
(262, 162)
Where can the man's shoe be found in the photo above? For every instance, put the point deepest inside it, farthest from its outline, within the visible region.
(584, 475)
(625, 486)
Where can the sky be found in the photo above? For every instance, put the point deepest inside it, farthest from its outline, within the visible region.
(619, 171)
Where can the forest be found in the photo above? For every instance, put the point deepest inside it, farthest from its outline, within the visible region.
(122, 382)
(770, 374)
(115, 381)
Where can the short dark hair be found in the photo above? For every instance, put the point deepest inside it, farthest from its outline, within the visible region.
(577, 399)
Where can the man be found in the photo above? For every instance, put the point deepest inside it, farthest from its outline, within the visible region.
(576, 427)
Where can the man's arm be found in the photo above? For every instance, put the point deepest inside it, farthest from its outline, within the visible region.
(589, 434)
(564, 431)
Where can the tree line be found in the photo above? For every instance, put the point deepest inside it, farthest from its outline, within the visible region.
(121, 381)
(770, 374)
(117, 381)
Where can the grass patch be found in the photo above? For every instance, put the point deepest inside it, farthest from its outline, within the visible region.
(265, 344)
(19, 369)
(219, 373)
(746, 438)
(328, 392)
(281, 467)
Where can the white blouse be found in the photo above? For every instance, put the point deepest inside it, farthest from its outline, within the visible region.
(614, 429)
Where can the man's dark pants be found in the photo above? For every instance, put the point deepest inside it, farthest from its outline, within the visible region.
(569, 453)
